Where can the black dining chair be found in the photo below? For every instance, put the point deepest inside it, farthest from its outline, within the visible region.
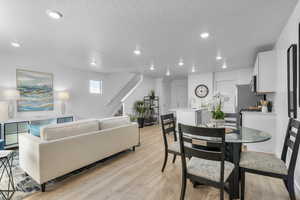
(205, 166)
(269, 165)
(231, 120)
(168, 125)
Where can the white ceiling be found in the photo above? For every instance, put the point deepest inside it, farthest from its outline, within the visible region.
(165, 30)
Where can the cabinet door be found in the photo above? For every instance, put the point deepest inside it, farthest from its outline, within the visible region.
(266, 71)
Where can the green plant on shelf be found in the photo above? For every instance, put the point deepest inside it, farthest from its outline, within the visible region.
(152, 94)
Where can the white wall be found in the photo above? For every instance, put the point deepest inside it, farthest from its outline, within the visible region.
(193, 81)
(163, 91)
(240, 76)
(142, 90)
(211, 80)
(288, 36)
(82, 103)
(225, 83)
(179, 93)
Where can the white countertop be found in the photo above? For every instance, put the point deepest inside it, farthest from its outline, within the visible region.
(257, 113)
(186, 109)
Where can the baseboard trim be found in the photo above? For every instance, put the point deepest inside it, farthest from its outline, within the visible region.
(297, 190)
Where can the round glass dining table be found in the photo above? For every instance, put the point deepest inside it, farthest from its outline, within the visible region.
(246, 135)
(234, 139)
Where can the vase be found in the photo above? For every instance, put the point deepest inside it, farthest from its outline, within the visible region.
(264, 109)
(218, 123)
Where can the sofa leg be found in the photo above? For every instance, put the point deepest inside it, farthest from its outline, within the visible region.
(133, 148)
(43, 187)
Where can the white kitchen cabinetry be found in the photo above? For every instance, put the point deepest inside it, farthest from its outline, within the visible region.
(264, 122)
(265, 71)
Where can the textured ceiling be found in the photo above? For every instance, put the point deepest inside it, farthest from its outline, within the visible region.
(165, 31)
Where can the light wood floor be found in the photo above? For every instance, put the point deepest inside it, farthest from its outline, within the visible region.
(137, 176)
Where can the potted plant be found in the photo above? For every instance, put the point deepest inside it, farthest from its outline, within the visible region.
(217, 114)
(140, 110)
(132, 118)
(152, 94)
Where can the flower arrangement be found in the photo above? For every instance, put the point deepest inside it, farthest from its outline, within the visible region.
(218, 113)
(217, 103)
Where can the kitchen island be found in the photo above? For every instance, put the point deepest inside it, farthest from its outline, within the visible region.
(192, 116)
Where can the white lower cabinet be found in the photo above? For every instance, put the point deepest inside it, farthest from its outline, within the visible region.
(263, 122)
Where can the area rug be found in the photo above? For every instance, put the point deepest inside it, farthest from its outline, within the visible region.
(26, 186)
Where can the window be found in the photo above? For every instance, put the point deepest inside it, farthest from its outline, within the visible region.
(95, 87)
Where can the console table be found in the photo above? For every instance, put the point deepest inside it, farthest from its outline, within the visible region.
(10, 129)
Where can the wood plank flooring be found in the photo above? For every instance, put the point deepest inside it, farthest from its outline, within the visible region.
(137, 176)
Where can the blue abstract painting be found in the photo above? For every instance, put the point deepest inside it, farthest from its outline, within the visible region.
(36, 91)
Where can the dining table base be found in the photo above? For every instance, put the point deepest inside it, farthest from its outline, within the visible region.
(233, 153)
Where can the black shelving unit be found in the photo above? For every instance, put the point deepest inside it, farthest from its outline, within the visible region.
(153, 115)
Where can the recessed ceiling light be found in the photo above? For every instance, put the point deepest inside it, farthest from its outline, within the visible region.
(93, 63)
(193, 69)
(219, 58)
(168, 73)
(152, 68)
(180, 63)
(15, 44)
(224, 66)
(204, 35)
(54, 14)
(137, 51)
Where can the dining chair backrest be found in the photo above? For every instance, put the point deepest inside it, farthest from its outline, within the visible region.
(231, 120)
(168, 126)
(194, 142)
(291, 142)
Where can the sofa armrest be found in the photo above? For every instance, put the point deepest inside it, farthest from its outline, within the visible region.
(29, 151)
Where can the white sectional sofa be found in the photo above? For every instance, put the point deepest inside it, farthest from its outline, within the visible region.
(63, 148)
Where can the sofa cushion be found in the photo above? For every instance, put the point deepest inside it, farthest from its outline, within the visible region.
(113, 122)
(57, 131)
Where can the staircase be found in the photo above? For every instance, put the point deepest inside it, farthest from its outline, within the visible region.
(119, 112)
(115, 106)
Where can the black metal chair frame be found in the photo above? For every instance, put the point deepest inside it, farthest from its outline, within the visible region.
(168, 125)
(288, 144)
(215, 152)
(6, 164)
(229, 121)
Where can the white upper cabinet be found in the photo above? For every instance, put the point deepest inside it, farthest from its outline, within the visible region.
(265, 71)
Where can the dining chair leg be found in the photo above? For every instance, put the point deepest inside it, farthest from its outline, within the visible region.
(222, 193)
(243, 179)
(165, 161)
(183, 187)
(174, 158)
(286, 185)
(231, 187)
(291, 188)
(194, 184)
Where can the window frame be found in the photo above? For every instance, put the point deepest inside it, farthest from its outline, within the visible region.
(96, 87)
